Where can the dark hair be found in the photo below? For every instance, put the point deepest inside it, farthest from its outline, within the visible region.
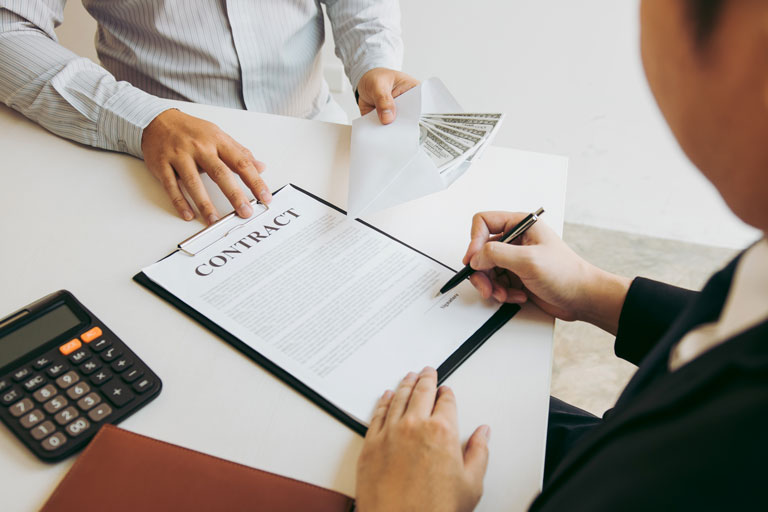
(704, 15)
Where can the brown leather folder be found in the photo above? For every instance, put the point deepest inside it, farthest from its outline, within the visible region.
(123, 471)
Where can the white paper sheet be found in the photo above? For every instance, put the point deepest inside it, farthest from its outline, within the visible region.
(386, 166)
(343, 308)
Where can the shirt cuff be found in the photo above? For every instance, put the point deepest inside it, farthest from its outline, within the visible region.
(370, 62)
(123, 118)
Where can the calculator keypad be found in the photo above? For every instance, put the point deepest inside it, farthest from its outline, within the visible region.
(57, 369)
(90, 367)
(34, 382)
(44, 393)
(41, 363)
(62, 397)
(55, 404)
(21, 407)
(21, 374)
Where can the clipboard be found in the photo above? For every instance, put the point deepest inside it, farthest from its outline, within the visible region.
(228, 224)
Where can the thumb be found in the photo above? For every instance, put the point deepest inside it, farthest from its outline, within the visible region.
(515, 258)
(385, 104)
(476, 454)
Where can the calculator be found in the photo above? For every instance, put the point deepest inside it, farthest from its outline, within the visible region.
(63, 374)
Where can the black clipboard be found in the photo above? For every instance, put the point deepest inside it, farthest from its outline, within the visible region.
(493, 324)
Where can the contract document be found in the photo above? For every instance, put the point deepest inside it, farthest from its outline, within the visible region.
(336, 308)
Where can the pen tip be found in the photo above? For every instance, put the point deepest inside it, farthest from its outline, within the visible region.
(539, 211)
(437, 294)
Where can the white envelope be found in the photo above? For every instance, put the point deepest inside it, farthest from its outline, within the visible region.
(386, 165)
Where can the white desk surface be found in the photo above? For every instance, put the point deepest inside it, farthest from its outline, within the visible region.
(87, 220)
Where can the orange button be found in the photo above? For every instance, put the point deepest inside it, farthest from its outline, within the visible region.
(70, 346)
(91, 335)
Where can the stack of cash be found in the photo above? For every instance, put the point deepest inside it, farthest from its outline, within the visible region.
(452, 139)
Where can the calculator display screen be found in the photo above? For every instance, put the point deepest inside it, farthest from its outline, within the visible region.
(38, 332)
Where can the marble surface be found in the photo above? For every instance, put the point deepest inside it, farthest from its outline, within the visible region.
(585, 372)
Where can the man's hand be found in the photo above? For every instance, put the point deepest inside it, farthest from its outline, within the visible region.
(539, 266)
(412, 459)
(177, 147)
(378, 88)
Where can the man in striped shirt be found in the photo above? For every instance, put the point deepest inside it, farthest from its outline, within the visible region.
(256, 55)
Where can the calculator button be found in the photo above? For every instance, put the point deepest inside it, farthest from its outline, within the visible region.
(31, 419)
(42, 430)
(100, 345)
(41, 363)
(44, 393)
(34, 383)
(54, 404)
(90, 367)
(111, 353)
(4, 384)
(70, 346)
(77, 427)
(54, 442)
(67, 380)
(101, 377)
(100, 412)
(142, 385)
(91, 334)
(88, 401)
(118, 393)
(57, 369)
(21, 407)
(67, 415)
(132, 375)
(80, 356)
(11, 395)
(22, 374)
(122, 364)
(78, 390)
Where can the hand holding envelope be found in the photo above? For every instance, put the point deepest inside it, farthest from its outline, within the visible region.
(421, 152)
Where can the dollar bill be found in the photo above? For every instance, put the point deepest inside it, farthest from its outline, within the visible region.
(472, 137)
(450, 139)
(460, 145)
(437, 149)
(467, 114)
(457, 127)
(486, 125)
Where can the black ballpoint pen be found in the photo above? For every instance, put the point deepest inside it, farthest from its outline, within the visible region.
(506, 238)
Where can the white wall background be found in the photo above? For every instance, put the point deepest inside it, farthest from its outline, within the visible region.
(569, 77)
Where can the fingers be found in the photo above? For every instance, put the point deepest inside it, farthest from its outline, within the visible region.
(189, 176)
(515, 258)
(260, 166)
(445, 406)
(378, 87)
(482, 284)
(223, 176)
(380, 412)
(167, 178)
(241, 161)
(423, 396)
(401, 397)
(484, 224)
(501, 291)
(403, 85)
(476, 454)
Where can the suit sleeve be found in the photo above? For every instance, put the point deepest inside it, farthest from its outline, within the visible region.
(648, 311)
(67, 94)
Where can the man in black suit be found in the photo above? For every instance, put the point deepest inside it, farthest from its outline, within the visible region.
(690, 431)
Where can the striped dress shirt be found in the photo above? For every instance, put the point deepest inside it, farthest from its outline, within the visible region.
(261, 55)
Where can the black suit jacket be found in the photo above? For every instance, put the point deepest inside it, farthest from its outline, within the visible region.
(693, 439)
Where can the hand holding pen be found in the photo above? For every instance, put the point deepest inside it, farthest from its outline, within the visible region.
(506, 237)
(540, 267)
